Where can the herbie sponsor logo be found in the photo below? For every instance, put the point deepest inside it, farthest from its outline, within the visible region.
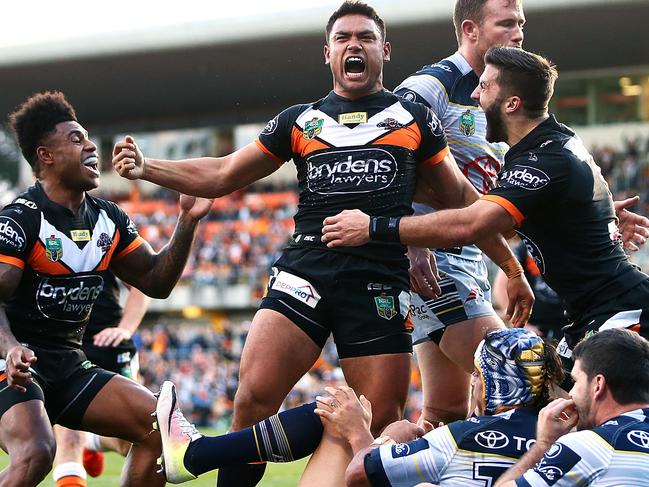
(351, 171)
(68, 298)
(11, 233)
(525, 177)
(295, 286)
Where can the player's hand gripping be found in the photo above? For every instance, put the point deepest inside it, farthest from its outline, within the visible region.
(128, 159)
(634, 228)
(349, 228)
(195, 208)
(18, 361)
(344, 415)
(423, 272)
(403, 431)
(521, 300)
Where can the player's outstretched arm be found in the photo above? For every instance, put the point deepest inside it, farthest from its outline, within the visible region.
(156, 274)
(208, 177)
(18, 358)
(134, 310)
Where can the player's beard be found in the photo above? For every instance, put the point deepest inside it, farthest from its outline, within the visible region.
(496, 130)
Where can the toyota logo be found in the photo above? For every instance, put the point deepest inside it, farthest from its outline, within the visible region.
(492, 439)
(639, 438)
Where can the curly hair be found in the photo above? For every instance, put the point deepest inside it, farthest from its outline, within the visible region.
(37, 118)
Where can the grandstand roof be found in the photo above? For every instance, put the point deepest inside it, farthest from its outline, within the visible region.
(246, 68)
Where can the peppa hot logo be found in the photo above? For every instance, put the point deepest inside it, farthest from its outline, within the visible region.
(351, 171)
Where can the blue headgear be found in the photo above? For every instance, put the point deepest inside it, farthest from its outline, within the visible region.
(512, 368)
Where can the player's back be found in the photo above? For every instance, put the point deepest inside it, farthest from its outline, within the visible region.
(470, 453)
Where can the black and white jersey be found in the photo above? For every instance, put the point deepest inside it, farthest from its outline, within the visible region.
(614, 454)
(565, 215)
(65, 259)
(355, 154)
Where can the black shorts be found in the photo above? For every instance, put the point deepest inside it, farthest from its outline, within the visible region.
(122, 360)
(64, 380)
(629, 310)
(363, 303)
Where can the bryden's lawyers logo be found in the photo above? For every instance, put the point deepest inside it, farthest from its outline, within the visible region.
(525, 177)
(68, 298)
(350, 171)
(11, 233)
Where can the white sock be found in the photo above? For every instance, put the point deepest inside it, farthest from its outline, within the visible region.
(69, 469)
(93, 442)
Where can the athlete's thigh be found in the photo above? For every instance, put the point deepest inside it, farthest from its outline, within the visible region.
(460, 340)
(122, 409)
(445, 384)
(24, 423)
(275, 355)
(384, 379)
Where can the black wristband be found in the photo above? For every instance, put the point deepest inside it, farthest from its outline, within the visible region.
(385, 228)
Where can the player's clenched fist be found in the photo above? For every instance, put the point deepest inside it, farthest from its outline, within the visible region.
(128, 159)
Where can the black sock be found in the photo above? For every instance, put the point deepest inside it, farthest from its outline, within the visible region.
(287, 436)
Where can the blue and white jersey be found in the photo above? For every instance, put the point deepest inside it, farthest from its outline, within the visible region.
(446, 88)
(470, 453)
(613, 455)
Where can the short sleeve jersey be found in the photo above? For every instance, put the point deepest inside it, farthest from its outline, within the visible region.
(565, 215)
(354, 154)
(64, 258)
(469, 453)
(612, 455)
(445, 87)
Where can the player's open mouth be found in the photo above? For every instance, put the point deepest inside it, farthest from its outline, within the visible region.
(354, 66)
(91, 163)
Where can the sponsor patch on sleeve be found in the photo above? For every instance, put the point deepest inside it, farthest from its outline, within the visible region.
(295, 286)
(12, 235)
(404, 449)
(556, 463)
(525, 177)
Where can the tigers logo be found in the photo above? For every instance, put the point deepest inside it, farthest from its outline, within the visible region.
(390, 124)
(104, 242)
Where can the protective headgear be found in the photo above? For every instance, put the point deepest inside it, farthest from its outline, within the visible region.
(512, 368)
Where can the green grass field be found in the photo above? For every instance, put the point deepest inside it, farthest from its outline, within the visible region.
(277, 475)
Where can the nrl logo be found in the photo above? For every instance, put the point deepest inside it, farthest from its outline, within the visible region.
(467, 123)
(312, 128)
(53, 248)
(385, 307)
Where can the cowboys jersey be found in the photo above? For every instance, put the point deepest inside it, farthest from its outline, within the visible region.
(612, 455)
(469, 453)
(446, 87)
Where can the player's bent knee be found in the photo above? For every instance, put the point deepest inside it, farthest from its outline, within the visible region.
(33, 461)
(446, 415)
